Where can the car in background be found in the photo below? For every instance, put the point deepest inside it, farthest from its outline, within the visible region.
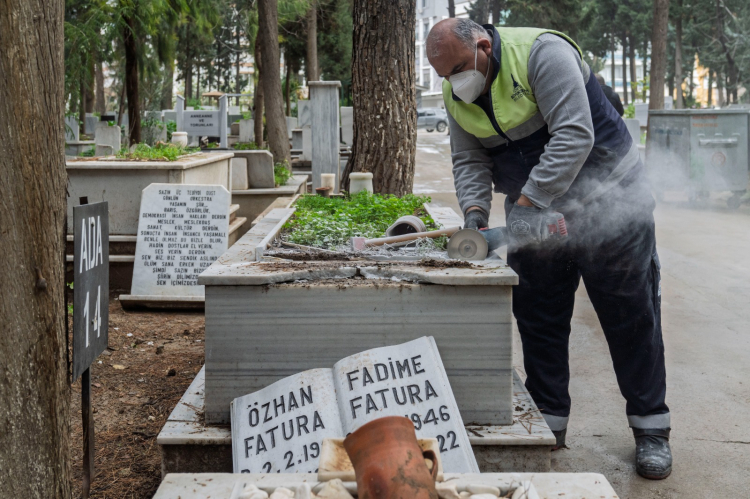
(432, 118)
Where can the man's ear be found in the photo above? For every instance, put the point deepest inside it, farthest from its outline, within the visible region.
(485, 45)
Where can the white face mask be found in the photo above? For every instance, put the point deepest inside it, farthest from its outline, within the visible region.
(468, 85)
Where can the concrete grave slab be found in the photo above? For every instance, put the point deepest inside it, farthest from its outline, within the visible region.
(259, 168)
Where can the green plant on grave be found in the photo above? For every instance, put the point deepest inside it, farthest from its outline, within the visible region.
(212, 145)
(171, 128)
(194, 103)
(281, 173)
(111, 123)
(246, 146)
(160, 152)
(630, 111)
(330, 222)
(151, 129)
(247, 115)
(89, 153)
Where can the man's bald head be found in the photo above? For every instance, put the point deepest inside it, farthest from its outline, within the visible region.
(449, 32)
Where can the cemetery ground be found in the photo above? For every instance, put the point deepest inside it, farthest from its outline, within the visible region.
(151, 360)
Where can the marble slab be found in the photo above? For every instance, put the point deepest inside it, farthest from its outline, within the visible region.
(182, 229)
(347, 125)
(324, 102)
(201, 123)
(239, 174)
(247, 130)
(259, 169)
(304, 114)
(72, 129)
(108, 136)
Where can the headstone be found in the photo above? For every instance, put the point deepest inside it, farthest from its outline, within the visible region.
(634, 127)
(103, 150)
(239, 174)
(259, 168)
(641, 112)
(304, 114)
(179, 109)
(306, 144)
(201, 123)
(234, 110)
(90, 124)
(347, 125)
(223, 125)
(169, 115)
(71, 129)
(291, 124)
(91, 289)
(247, 130)
(234, 129)
(108, 136)
(233, 118)
(668, 102)
(297, 139)
(182, 229)
(324, 100)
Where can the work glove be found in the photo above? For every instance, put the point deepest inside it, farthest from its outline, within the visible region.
(529, 225)
(476, 219)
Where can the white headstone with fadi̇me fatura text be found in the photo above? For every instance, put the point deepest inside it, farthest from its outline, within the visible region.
(182, 230)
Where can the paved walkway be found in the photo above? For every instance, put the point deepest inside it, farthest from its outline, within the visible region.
(705, 256)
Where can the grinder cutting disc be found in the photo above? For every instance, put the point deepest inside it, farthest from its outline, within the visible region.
(467, 244)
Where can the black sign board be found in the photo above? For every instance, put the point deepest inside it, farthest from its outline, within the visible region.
(90, 284)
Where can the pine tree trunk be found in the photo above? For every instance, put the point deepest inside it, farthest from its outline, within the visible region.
(188, 65)
(131, 81)
(237, 81)
(495, 10)
(451, 8)
(311, 62)
(268, 37)
(166, 94)
(679, 102)
(101, 106)
(658, 54)
(612, 66)
(287, 97)
(710, 99)
(258, 97)
(625, 100)
(633, 71)
(385, 118)
(90, 95)
(34, 412)
(82, 105)
(719, 89)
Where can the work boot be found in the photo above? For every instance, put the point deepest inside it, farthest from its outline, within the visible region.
(559, 439)
(653, 457)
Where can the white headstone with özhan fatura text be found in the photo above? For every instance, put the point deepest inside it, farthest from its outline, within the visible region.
(182, 230)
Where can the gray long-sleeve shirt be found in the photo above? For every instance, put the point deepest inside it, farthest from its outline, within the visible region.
(557, 76)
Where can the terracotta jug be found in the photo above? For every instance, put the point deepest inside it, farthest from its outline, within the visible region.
(388, 462)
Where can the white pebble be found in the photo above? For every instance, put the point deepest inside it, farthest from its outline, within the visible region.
(483, 496)
(464, 494)
(129, 335)
(483, 489)
(447, 490)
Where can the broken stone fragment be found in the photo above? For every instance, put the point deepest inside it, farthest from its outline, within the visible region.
(447, 490)
(251, 491)
(334, 489)
(282, 493)
(483, 496)
(483, 489)
(303, 492)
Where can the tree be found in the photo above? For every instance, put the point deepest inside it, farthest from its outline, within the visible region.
(658, 54)
(311, 61)
(451, 8)
(34, 413)
(678, 102)
(384, 94)
(268, 41)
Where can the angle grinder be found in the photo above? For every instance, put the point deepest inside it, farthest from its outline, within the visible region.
(473, 244)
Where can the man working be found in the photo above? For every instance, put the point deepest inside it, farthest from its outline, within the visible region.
(527, 115)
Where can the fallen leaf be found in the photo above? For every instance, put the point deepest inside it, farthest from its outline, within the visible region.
(119, 367)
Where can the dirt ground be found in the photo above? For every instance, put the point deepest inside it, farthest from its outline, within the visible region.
(151, 360)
